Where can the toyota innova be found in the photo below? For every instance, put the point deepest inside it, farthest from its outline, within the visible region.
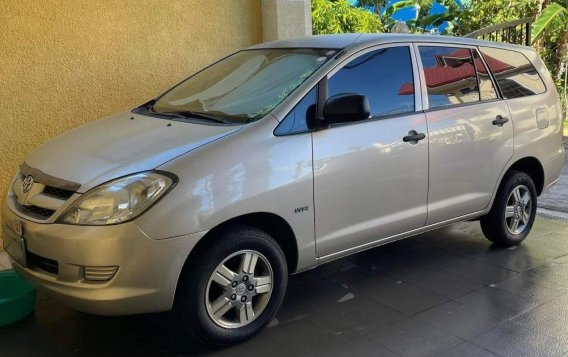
(278, 158)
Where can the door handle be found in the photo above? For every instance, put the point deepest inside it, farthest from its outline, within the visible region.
(500, 120)
(413, 137)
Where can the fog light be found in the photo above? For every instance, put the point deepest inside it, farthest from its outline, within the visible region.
(100, 273)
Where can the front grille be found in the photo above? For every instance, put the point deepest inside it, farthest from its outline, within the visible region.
(42, 263)
(57, 192)
(44, 195)
(37, 212)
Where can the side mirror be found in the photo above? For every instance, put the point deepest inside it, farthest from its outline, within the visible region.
(345, 108)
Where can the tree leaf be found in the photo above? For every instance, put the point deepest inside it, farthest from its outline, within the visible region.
(397, 6)
(434, 20)
(553, 18)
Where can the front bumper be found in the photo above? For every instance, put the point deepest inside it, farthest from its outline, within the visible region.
(148, 269)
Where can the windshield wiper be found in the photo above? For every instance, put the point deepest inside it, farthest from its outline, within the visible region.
(186, 114)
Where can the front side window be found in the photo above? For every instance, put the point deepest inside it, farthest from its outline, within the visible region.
(243, 87)
(450, 76)
(301, 118)
(514, 73)
(384, 76)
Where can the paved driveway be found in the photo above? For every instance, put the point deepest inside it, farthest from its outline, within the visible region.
(447, 292)
(556, 197)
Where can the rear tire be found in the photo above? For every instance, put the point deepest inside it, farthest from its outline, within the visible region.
(513, 213)
(224, 299)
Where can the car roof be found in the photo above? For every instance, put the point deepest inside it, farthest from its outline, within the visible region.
(317, 41)
(343, 41)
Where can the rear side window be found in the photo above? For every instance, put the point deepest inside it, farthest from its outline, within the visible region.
(450, 76)
(384, 76)
(515, 74)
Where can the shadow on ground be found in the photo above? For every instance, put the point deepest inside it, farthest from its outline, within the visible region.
(446, 292)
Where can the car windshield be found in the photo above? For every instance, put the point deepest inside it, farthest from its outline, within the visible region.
(242, 87)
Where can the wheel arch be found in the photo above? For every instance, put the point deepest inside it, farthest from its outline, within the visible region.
(276, 226)
(532, 167)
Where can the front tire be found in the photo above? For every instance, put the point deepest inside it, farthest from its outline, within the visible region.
(514, 210)
(233, 288)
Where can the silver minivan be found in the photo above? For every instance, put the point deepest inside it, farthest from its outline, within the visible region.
(278, 158)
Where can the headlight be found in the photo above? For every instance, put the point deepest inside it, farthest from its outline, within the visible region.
(118, 201)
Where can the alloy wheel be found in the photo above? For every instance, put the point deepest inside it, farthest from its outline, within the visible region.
(239, 289)
(518, 210)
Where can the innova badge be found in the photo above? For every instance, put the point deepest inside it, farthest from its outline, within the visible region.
(27, 184)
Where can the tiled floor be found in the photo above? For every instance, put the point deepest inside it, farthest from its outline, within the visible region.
(446, 293)
(556, 197)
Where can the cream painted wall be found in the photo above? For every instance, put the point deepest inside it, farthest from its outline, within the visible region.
(65, 62)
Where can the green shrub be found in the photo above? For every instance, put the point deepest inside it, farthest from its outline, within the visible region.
(339, 16)
(479, 14)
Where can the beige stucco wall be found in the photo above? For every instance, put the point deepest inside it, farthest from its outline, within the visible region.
(65, 62)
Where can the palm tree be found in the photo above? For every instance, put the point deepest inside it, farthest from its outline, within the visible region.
(550, 36)
(423, 18)
(553, 18)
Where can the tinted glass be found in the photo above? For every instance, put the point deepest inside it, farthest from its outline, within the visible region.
(450, 76)
(301, 118)
(486, 88)
(384, 76)
(515, 75)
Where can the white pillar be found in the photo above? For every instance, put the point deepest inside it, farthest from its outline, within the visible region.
(282, 19)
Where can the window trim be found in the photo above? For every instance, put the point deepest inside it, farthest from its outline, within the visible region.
(495, 78)
(424, 88)
(417, 101)
(372, 119)
(353, 56)
(421, 103)
(317, 87)
(322, 90)
(462, 105)
(495, 89)
(422, 83)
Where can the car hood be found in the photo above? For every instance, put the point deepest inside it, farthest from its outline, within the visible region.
(120, 145)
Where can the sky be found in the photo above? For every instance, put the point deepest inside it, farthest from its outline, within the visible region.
(411, 12)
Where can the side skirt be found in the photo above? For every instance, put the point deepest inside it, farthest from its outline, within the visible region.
(370, 245)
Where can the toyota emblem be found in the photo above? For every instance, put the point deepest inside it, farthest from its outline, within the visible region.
(27, 184)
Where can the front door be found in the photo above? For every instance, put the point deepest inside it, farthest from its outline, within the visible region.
(369, 183)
